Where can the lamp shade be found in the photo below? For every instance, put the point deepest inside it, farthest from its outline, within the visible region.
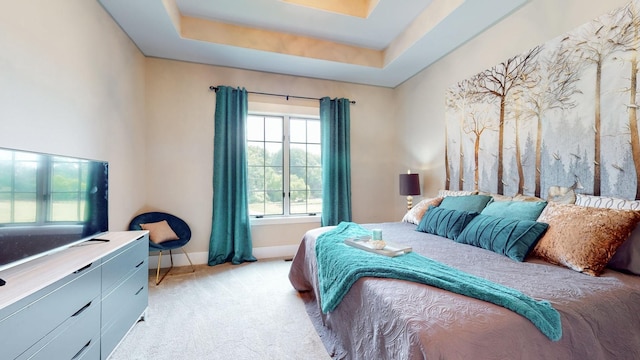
(409, 184)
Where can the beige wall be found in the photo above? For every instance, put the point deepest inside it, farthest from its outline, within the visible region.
(72, 83)
(420, 100)
(179, 163)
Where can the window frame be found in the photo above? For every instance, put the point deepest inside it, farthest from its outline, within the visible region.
(286, 216)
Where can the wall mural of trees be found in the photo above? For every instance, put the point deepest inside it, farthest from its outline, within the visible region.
(561, 114)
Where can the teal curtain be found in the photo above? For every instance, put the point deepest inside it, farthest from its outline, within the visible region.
(336, 161)
(230, 230)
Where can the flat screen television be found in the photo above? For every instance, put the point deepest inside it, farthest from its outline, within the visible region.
(49, 203)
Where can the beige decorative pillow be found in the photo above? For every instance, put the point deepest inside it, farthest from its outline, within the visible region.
(417, 211)
(445, 193)
(627, 257)
(160, 231)
(583, 238)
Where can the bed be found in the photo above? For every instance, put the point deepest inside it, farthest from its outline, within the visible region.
(384, 318)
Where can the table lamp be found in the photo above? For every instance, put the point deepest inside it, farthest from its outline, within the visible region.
(409, 186)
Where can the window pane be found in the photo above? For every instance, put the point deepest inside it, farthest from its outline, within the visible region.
(273, 178)
(255, 128)
(297, 179)
(273, 128)
(313, 155)
(298, 130)
(313, 131)
(255, 178)
(275, 203)
(299, 202)
(273, 154)
(256, 203)
(314, 179)
(267, 175)
(255, 153)
(297, 155)
(315, 201)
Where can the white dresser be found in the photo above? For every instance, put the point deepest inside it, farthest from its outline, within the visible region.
(77, 303)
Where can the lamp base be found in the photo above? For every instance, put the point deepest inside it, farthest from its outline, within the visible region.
(409, 202)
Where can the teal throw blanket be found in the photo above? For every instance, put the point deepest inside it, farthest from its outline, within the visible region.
(340, 266)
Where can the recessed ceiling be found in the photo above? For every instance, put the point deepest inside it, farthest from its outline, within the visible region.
(374, 42)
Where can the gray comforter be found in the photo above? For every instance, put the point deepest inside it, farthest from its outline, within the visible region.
(395, 319)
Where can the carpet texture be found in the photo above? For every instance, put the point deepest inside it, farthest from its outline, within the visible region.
(247, 311)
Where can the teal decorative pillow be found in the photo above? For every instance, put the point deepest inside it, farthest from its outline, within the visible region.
(470, 203)
(509, 237)
(445, 222)
(517, 210)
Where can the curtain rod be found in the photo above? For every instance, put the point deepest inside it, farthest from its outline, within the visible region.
(214, 88)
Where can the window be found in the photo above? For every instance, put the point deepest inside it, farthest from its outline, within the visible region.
(284, 161)
(25, 178)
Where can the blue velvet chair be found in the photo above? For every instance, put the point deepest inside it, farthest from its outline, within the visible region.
(178, 226)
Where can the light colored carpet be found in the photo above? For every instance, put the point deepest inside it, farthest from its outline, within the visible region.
(247, 311)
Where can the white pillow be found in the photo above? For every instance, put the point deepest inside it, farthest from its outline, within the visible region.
(445, 193)
(416, 213)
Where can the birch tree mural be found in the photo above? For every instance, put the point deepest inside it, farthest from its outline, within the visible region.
(554, 91)
(457, 99)
(563, 113)
(498, 82)
(629, 42)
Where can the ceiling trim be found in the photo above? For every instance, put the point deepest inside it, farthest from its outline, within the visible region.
(359, 8)
(159, 29)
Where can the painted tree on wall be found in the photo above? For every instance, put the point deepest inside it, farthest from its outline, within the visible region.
(457, 99)
(574, 100)
(629, 40)
(475, 125)
(498, 82)
(554, 90)
(594, 44)
(516, 111)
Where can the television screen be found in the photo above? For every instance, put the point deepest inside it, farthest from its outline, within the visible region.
(48, 203)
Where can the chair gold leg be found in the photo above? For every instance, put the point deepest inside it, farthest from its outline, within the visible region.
(193, 269)
(158, 268)
(158, 281)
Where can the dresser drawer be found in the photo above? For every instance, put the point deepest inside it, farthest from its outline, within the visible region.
(47, 310)
(72, 339)
(18, 305)
(116, 319)
(130, 258)
(91, 350)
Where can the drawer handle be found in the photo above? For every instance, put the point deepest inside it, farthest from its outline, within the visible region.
(141, 262)
(84, 348)
(83, 268)
(138, 292)
(82, 309)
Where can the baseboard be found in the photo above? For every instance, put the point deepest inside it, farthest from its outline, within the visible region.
(201, 258)
(269, 252)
